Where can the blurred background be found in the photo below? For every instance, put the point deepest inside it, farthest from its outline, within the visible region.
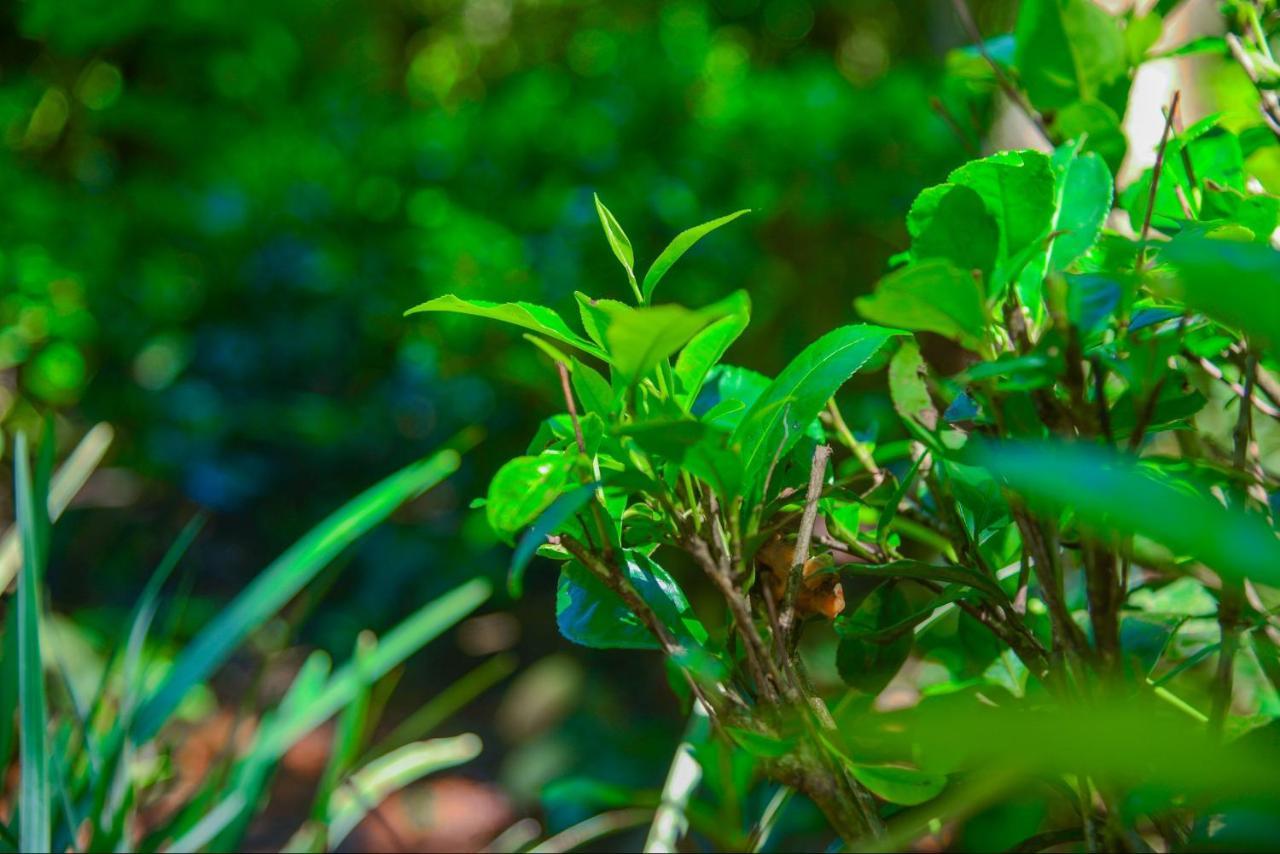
(213, 214)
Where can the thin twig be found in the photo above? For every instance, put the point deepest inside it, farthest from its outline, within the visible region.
(817, 472)
(935, 103)
(1268, 104)
(1155, 177)
(606, 544)
(1006, 85)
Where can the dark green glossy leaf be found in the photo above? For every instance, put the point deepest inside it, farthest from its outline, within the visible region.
(560, 511)
(926, 572)
(899, 785)
(866, 665)
(590, 614)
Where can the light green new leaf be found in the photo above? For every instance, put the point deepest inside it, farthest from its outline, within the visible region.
(638, 339)
(708, 347)
(282, 580)
(1233, 282)
(372, 784)
(779, 416)
(1017, 188)
(523, 488)
(1114, 495)
(592, 389)
(618, 240)
(523, 314)
(1085, 197)
(695, 446)
(1067, 50)
(682, 243)
(35, 790)
(952, 222)
(932, 296)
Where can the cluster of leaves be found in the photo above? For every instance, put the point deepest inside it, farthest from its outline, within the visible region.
(1068, 566)
(94, 744)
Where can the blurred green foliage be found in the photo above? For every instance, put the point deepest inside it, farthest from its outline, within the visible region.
(214, 213)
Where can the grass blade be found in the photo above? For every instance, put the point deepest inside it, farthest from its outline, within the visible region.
(280, 581)
(373, 783)
(670, 821)
(34, 792)
(68, 481)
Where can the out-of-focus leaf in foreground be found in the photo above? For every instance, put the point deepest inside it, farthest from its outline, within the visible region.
(1117, 495)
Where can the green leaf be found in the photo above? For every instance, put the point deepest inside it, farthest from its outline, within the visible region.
(899, 785)
(727, 394)
(952, 222)
(695, 446)
(523, 314)
(1085, 197)
(1232, 282)
(908, 389)
(677, 247)
(311, 701)
(592, 389)
(868, 666)
(560, 511)
(1095, 127)
(926, 572)
(1113, 495)
(523, 488)
(639, 339)
(618, 240)
(1018, 189)
(409, 636)
(1068, 50)
(779, 416)
(364, 790)
(35, 788)
(931, 296)
(590, 614)
(708, 347)
(281, 581)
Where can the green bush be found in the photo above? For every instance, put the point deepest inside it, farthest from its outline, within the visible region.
(1052, 601)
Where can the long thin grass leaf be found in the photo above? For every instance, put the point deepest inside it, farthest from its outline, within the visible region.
(34, 791)
(444, 705)
(670, 821)
(368, 787)
(69, 480)
(306, 707)
(282, 580)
